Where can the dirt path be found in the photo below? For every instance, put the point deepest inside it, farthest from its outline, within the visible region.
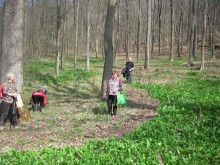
(77, 118)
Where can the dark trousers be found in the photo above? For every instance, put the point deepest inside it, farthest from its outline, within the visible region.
(36, 99)
(112, 101)
(8, 110)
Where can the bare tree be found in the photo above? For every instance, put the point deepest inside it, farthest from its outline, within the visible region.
(172, 30)
(138, 30)
(147, 48)
(213, 28)
(117, 33)
(57, 38)
(108, 35)
(127, 31)
(202, 66)
(159, 26)
(76, 35)
(88, 36)
(180, 28)
(195, 28)
(12, 41)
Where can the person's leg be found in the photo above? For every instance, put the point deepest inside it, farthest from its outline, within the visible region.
(115, 105)
(110, 101)
(130, 77)
(34, 103)
(13, 115)
(41, 100)
(127, 76)
(4, 112)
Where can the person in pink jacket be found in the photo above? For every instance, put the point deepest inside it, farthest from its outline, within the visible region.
(113, 86)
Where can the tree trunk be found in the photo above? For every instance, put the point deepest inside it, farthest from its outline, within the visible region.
(195, 28)
(159, 26)
(88, 36)
(202, 66)
(190, 61)
(12, 41)
(76, 35)
(63, 38)
(179, 41)
(57, 39)
(138, 30)
(127, 40)
(213, 29)
(147, 48)
(108, 35)
(115, 45)
(172, 30)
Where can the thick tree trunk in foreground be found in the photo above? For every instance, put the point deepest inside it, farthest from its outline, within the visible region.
(12, 41)
(108, 42)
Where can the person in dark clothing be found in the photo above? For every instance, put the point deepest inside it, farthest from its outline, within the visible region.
(114, 85)
(37, 97)
(8, 108)
(129, 69)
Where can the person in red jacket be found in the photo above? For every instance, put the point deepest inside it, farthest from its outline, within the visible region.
(39, 96)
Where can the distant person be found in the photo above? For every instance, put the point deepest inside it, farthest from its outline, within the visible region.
(38, 97)
(8, 107)
(129, 69)
(113, 86)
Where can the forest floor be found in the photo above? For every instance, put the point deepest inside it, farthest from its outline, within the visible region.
(78, 117)
(75, 113)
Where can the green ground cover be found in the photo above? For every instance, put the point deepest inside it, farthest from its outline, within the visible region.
(185, 131)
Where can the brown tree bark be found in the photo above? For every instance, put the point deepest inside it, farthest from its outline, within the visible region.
(138, 30)
(148, 33)
(88, 36)
(172, 30)
(76, 35)
(202, 66)
(108, 35)
(12, 41)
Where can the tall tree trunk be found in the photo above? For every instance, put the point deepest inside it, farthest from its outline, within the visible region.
(172, 30)
(159, 26)
(138, 30)
(153, 27)
(179, 41)
(12, 41)
(108, 35)
(76, 35)
(147, 48)
(63, 38)
(115, 45)
(190, 61)
(88, 36)
(57, 39)
(127, 40)
(213, 29)
(195, 28)
(202, 66)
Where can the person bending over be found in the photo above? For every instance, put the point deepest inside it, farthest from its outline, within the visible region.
(39, 96)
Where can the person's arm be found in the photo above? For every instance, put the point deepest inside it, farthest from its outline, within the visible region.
(45, 100)
(132, 66)
(4, 89)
